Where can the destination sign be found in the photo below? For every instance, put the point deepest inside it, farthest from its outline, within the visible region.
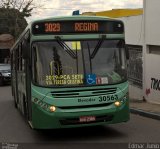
(73, 27)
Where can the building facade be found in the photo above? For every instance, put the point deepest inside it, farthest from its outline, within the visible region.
(6, 42)
(151, 51)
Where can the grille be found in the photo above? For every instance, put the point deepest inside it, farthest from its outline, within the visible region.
(77, 93)
(86, 106)
(75, 121)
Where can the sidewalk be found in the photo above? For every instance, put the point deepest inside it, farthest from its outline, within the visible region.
(145, 109)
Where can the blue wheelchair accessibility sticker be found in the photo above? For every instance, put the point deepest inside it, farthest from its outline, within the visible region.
(91, 79)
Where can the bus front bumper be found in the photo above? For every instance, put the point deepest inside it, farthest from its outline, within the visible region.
(42, 119)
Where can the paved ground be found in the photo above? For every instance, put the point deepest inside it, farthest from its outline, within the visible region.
(145, 109)
(13, 128)
(145, 106)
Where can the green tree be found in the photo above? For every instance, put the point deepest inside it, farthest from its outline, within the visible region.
(13, 14)
(12, 22)
(25, 7)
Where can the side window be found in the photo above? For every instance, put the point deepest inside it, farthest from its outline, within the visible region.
(12, 61)
(20, 57)
(23, 64)
(17, 58)
(20, 65)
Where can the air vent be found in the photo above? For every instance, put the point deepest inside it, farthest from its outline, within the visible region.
(79, 93)
(86, 106)
(106, 91)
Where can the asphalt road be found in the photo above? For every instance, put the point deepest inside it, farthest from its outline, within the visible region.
(13, 128)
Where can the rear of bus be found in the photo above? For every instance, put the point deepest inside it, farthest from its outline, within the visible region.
(79, 75)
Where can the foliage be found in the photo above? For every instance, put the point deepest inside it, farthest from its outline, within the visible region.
(12, 15)
(25, 7)
(12, 22)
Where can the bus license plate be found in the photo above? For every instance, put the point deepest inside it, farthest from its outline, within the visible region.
(87, 119)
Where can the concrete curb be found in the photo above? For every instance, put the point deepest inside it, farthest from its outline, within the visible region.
(145, 113)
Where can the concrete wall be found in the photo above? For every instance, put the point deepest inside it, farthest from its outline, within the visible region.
(151, 74)
(135, 92)
(133, 29)
(152, 21)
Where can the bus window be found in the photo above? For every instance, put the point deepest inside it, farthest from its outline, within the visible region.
(55, 66)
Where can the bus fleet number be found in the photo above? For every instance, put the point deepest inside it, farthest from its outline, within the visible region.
(52, 27)
(108, 98)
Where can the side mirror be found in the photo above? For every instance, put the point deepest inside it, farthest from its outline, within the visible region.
(25, 50)
(127, 52)
(26, 45)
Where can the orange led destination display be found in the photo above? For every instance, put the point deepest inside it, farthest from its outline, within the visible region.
(73, 27)
(78, 27)
(86, 27)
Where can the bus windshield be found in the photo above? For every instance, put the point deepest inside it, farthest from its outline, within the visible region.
(78, 63)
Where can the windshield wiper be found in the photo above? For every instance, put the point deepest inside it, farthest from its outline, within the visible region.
(90, 61)
(98, 46)
(64, 45)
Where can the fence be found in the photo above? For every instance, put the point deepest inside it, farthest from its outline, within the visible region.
(135, 69)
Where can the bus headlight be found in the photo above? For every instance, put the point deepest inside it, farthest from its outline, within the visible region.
(52, 108)
(117, 103)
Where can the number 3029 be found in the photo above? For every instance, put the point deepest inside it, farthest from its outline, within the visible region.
(108, 98)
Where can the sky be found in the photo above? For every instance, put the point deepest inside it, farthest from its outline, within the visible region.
(51, 8)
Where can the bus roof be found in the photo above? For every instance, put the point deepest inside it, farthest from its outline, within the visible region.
(77, 17)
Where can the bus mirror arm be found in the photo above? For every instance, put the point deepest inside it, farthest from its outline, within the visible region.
(25, 50)
(127, 52)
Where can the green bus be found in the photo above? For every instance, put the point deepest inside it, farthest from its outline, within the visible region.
(71, 72)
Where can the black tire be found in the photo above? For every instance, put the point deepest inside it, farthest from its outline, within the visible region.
(1, 81)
